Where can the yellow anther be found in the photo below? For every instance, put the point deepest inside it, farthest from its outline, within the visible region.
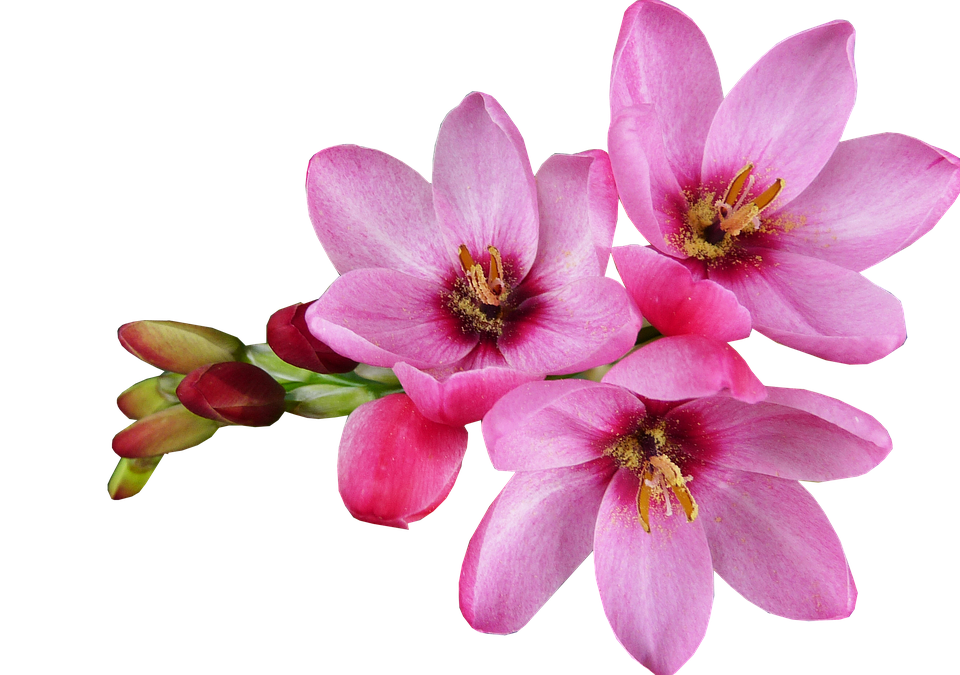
(736, 185)
(769, 195)
(643, 499)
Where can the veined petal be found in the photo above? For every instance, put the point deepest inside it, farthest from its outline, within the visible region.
(545, 425)
(817, 307)
(772, 542)
(381, 316)
(779, 440)
(663, 59)
(876, 196)
(670, 299)
(396, 466)
(787, 113)
(483, 187)
(371, 210)
(657, 586)
(613, 349)
(533, 536)
(462, 397)
(835, 412)
(686, 366)
(554, 330)
(578, 213)
(648, 188)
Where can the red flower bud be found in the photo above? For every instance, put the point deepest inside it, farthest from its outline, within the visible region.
(178, 347)
(232, 393)
(165, 431)
(291, 340)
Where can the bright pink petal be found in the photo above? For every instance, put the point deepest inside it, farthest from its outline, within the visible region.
(395, 465)
(657, 586)
(772, 542)
(648, 188)
(876, 196)
(545, 425)
(380, 316)
(460, 398)
(371, 210)
(533, 536)
(686, 366)
(673, 302)
(554, 330)
(578, 213)
(663, 59)
(787, 113)
(613, 349)
(778, 440)
(483, 186)
(835, 412)
(817, 307)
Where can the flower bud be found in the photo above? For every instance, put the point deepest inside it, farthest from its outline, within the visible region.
(291, 340)
(175, 428)
(145, 398)
(131, 475)
(178, 347)
(232, 393)
(319, 401)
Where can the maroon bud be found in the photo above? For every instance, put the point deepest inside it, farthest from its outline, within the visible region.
(291, 340)
(232, 393)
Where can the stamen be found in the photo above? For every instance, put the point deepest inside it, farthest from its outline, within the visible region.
(769, 194)
(643, 499)
(736, 185)
(466, 260)
(495, 278)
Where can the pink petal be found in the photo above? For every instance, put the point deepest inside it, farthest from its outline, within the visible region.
(483, 186)
(545, 425)
(396, 466)
(673, 302)
(657, 586)
(876, 196)
(779, 440)
(817, 307)
(835, 412)
(371, 210)
(787, 113)
(772, 542)
(686, 366)
(533, 536)
(554, 330)
(578, 213)
(613, 349)
(663, 59)
(648, 188)
(381, 316)
(460, 398)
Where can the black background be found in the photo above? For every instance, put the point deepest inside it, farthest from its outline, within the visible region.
(247, 531)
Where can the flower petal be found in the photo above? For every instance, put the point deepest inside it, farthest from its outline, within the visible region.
(779, 440)
(657, 586)
(663, 59)
(533, 536)
(483, 186)
(876, 196)
(459, 398)
(554, 330)
(545, 425)
(381, 316)
(578, 213)
(648, 188)
(396, 466)
(772, 542)
(835, 412)
(817, 307)
(670, 299)
(371, 210)
(686, 366)
(613, 349)
(787, 113)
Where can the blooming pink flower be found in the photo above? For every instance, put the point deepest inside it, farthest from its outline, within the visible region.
(753, 190)
(489, 278)
(665, 490)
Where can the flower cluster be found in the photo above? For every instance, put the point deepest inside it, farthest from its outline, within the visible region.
(634, 429)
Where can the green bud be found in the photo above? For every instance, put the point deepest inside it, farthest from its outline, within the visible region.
(131, 475)
(318, 401)
(178, 347)
(175, 428)
(381, 375)
(145, 398)
(263, 357)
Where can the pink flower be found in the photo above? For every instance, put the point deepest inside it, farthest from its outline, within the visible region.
(487, 279)
(665, 490)
(754, 192)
